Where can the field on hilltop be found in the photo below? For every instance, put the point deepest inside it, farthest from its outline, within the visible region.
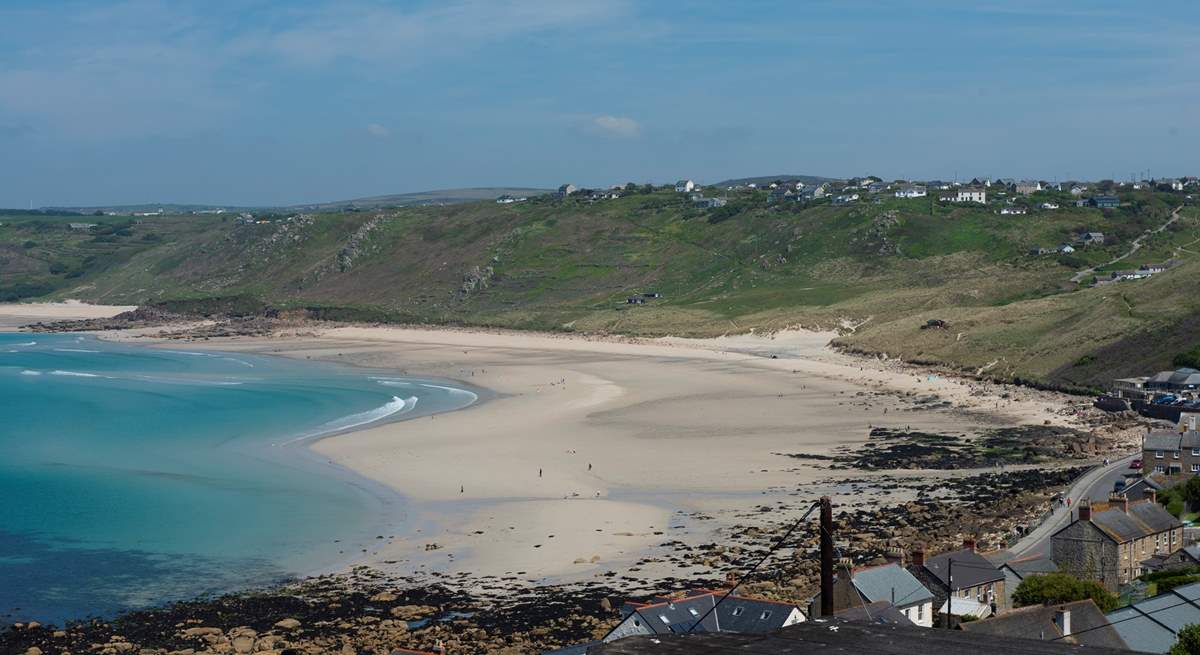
(570, 264)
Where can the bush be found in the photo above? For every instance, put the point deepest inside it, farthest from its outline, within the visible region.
(1190, 359)
(1062, 588)
(1187, 641)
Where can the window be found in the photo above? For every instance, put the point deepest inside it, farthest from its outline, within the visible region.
(1195, 468)
(1158, 454)
(693, 611)
(1160, 469)
(1175, 454)
(664, 619)
(737, 611)
(765, 615)
(1196, 451)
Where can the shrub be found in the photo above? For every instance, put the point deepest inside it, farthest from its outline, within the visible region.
(1062, 588)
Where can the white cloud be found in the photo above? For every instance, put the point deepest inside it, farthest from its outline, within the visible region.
(378, 130)
(617, 127)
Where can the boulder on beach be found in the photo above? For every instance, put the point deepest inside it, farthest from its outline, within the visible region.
(287, 624)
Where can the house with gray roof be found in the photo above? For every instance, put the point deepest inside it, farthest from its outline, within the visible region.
(1016, 570)
(1080, 622)
(694, 612)
(1171, 452)
(961, 574)
(890, 583)
(1181, 379)
(1151, 625)
(1109, 541)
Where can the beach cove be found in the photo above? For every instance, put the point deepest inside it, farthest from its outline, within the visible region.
(597, 454)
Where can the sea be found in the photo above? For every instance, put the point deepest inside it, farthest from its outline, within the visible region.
(133, 476)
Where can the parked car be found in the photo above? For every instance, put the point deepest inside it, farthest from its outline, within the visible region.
(1135, 464)
(1119, 486)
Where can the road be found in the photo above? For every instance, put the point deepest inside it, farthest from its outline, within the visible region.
(1095, 485)
(1137, 244)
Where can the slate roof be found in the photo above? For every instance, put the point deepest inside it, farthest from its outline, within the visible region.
(891, 584)
(882, 612)
(1161, 440)
(1143, 519)
(1089, 627)
(736, 614)
(1032, 565)
(1150, 625)
(839, 637)
(970, 569)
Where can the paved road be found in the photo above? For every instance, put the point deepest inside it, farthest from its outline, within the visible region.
(1095, 485)
(1137, 244)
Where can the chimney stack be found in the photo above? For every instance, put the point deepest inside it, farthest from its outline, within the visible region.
(918, 557)
(1120, 502)
(1062, 619)
(969, 544)
(1085, 511)
(1152, 495)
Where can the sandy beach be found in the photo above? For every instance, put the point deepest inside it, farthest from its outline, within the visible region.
(13, 315)
(594, 452)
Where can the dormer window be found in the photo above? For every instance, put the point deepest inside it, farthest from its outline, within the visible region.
(765, 615)
(737, 611)
(693, 611)
(664, 619)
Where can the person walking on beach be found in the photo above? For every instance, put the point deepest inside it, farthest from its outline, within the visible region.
(589, 466)
(539, 473)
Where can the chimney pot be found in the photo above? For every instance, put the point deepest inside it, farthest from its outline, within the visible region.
(918, 557)
(969, 544)
(1085, 512)
(1152, 495)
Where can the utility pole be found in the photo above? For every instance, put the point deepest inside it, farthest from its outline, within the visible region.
(950, 600)
(826, 557)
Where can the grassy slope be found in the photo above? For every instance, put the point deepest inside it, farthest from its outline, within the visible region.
(570, 264)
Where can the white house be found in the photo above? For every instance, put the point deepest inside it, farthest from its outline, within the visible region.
(913, 191)
(893, 584)
(1048, 205)
(684, 186)
(1013, 211)
(971, 194)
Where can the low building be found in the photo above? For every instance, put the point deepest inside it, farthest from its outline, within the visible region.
(684, 186)
(694, 612)
(709, 203)
(911, 191)
(890, 584)
(972, 194)
(1048, 206)
(1013, 211)
(961, 574)
(1152, 625)
(1107, 542)
(1105, 202)
(1026, 187)
(566, 190)
(846, 199)
(1016, 570)
(1090, 238)
(1177, 381)
(1080, 622)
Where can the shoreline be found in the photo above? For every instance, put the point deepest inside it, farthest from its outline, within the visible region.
(698, 426)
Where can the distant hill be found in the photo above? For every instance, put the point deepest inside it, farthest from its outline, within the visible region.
(767, 179)
(574, 263)
(439, 197)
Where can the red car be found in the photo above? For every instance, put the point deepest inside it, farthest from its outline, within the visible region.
(1136, 464)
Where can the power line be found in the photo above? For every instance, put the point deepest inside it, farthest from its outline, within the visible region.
(1142, 614)
(778, 544)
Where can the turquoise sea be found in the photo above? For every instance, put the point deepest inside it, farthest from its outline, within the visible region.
(131, 476)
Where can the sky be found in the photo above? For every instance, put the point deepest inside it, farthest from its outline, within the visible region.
(275, 102)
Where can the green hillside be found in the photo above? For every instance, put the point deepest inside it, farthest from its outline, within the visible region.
(571, 263)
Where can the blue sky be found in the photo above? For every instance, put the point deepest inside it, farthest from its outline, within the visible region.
(279, 102)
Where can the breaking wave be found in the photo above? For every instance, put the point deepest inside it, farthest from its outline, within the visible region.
(393, 407)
